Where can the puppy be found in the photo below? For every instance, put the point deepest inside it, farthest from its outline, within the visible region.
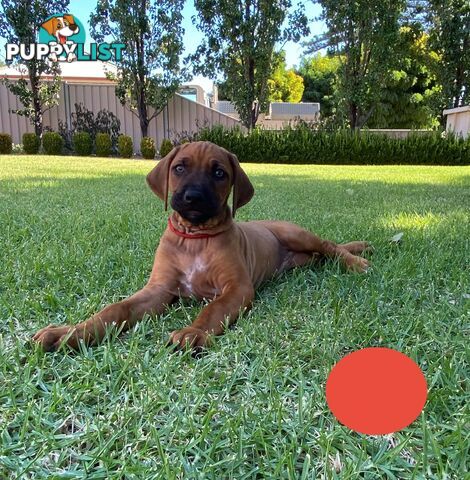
(204, 254)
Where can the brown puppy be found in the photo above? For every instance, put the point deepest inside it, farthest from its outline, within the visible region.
(204, 254)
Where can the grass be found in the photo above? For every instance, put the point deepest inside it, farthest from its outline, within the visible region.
(78, 233)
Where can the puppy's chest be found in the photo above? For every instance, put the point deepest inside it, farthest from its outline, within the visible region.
(194, 279)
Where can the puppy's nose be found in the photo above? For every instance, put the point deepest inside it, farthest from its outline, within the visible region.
(192, 195)
(73, 27)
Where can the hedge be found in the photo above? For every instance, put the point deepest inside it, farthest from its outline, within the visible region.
(104, 144)
(6, 143)
(304, 145)
(166, 147)
(52, 143)
(125, 146)
(147, 148)
(82, 143)
(31, 143)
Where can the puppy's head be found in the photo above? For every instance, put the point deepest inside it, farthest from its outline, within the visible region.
(200, 176)
(61, 27)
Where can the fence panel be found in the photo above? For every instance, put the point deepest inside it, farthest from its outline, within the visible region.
(180, 114)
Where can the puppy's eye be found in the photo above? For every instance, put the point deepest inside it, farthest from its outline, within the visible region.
(219, 173)
(178, 169)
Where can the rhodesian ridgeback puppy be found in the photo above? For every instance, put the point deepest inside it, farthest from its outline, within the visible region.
(203, 253)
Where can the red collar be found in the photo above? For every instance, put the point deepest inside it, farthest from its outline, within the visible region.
(191, 235)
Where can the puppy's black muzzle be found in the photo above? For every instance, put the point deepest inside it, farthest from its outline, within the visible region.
(196, 203)
(193, 196)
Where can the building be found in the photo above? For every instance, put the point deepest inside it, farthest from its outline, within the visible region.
(279, 115)
(458, 120)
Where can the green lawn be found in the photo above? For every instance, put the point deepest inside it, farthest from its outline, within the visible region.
(76, 234)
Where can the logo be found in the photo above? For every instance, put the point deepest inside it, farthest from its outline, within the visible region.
(62, 38)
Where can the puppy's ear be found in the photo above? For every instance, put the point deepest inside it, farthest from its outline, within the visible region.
(69, 18)
(50, 25)
(243, 190)
(159, 178)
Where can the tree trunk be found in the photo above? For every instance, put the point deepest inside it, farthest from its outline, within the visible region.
(254, 105)
(142, 97)
(458, 85)
(143, 116)
(460, 91)
(353, 115)
(254, 114)
(142, 103)
(364, 118)
(38, 123)
(37, 115)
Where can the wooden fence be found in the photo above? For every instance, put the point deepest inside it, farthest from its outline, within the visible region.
(180, 114)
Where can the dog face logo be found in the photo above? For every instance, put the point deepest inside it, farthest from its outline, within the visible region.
(62, 32)
(61, 27)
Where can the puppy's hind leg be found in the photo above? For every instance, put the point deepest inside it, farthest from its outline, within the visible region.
(297, 239)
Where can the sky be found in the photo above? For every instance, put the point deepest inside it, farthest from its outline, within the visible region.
(83, 8)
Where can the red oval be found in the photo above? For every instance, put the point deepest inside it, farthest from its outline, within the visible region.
(376, 391)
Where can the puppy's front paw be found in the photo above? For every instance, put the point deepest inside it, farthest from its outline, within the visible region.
(189, 337)
(357, 264)
(52, 337)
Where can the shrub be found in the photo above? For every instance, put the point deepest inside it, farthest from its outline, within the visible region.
(103, 145)
(52, 143)
(184, 136)
(82, 143)
(306, 145)
(147, 148)
(31, 143)
(84, 120)
(166, 147)
(125, 146)
(107, 122)
(6, 143)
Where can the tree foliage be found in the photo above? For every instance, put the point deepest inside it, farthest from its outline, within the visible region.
(450, 37)
(284, 85)
(20, 23)
(319, 73)
(149, 72)
(239, 44)
(411, 93)
(363, 33)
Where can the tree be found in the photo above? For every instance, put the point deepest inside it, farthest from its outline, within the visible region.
(411, 93)
(450, 37)
(363, 34)
(319, 73)
(149, 72)
(20, 24)
(239, 44)
(284, 85)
